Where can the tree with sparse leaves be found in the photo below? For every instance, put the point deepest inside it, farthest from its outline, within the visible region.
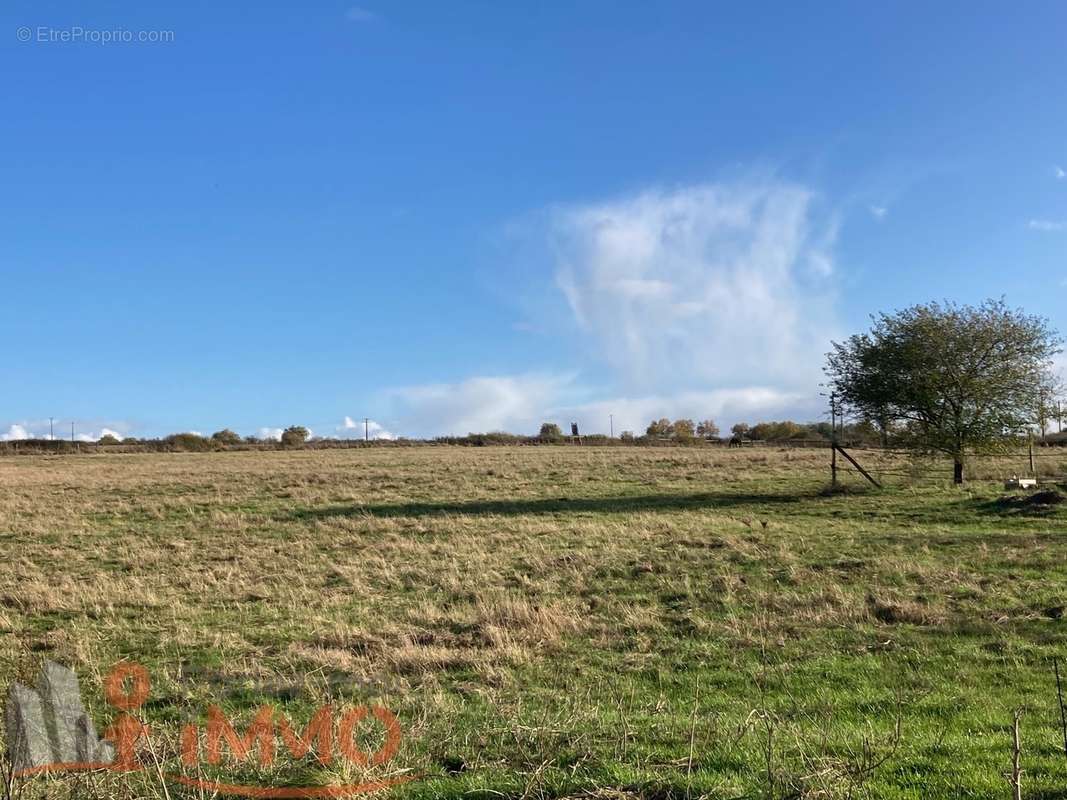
(659, 429)
(953, 379)
(707, 429)
(1050, 407)
(683, 429)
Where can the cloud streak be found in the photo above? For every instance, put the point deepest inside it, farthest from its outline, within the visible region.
(15, 433)
(520, 403)
(360, 14)
(1046, 225)
(352, 429)
(39, 429)
(702, 284)
(703, 300)
(480, 404)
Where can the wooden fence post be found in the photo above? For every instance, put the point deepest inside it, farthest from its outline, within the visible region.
(856, 464)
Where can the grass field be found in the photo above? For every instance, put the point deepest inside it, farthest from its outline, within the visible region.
(557, 621)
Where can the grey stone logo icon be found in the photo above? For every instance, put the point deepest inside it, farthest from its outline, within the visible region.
(49, 727)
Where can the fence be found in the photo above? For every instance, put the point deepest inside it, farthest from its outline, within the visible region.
(902, 467)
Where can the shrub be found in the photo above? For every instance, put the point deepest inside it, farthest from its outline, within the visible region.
(189, 442)
(294, 436)
(550, 432)
(225, 436)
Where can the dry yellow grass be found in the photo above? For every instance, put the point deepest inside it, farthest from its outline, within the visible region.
(549, 620)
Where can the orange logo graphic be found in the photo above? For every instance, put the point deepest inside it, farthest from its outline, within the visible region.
(49, 731)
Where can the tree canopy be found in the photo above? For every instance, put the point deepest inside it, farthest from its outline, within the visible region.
(683, 429)
(226, 436)
(948, 378)
(707, 429)
(295, 436)
(550, 432)
(659, 428)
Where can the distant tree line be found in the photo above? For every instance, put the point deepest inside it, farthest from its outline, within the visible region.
(660, 432)
(784, 434)
(939, 378)
(682, 430)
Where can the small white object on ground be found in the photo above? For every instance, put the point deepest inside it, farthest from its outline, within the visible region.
(1020, 483)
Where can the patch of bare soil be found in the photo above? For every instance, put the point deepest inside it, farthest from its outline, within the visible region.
(1038, 502)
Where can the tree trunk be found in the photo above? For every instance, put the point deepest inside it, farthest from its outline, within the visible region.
(957, 470)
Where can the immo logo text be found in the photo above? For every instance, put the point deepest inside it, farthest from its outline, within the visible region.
(48, 730)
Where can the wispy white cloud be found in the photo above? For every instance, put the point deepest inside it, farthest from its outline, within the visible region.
(700, 285)
(476, 405)
(1046, 225)
(707, 300)
(269, 434)
(1059, 173)
(360, 14)
(520, 403)
(84, 431)
(878, 212)
(350, 428)
(1060, 365)
(95, 436)
(14, 433)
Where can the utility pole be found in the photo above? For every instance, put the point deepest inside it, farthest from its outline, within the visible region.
(366, 429)
(833, 439)
(72, 431)
(51, 430)
(611, 425)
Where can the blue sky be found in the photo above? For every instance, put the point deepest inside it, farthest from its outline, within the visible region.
(467, 216)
